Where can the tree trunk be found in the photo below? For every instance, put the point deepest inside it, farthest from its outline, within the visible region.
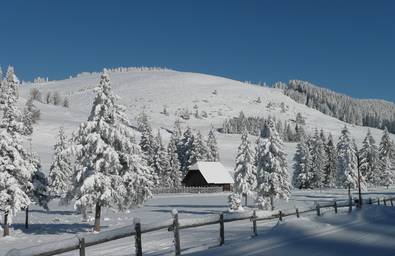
(84, 214)
(27, 217)
(97, 217)
(272, 202)
(6, 225)
(349, 191)
(245, 198)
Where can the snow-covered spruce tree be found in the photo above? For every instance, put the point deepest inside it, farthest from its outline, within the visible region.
(234, 202)
(198, 150)
(330, 171)
(346, 162)
(369, 160)
(110, 170)
(60, 170)
(303, 175)
(386, 153)
(147, 141)
(271, 165)
(212, 147)
(160, 164)
(245, 172)
(173, 177)
(185, 150)
(318, 160)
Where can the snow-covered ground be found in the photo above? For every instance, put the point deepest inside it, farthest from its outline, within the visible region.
(62, 222)
(151, 91)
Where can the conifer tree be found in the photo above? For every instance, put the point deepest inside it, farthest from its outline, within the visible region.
(60, 170)
(212, 154)
(346, 162)
(386, 153)
(369, 160)
(110, 170)
(330, 170)
(198, 150)
(302, 176)
(271, 165)
(245, 172)
(318, 161)
(173, 177)
(160, 164)
(185, 150)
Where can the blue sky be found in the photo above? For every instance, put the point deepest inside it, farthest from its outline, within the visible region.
(347, 46)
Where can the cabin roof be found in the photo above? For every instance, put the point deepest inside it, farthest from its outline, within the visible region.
(213, 172)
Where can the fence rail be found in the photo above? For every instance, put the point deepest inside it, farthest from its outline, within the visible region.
(173, 190)
(175, 224)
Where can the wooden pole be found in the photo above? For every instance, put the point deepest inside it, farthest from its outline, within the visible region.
(137, 240)
(385, 201)
(335, 205)
(176, 231)
(378, 200)
(349, 205)
(82, 246)
(254, 228)
(297, 213)
(97, 217)
(221, 229)
(392, 203)
(280, 217)
(318, 209)
(6, 231)
(27, 217)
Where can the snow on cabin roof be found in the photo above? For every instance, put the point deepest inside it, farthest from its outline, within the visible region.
(213, 172)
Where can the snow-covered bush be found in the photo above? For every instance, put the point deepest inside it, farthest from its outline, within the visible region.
(234, 202)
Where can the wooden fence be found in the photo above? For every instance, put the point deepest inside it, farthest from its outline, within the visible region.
(172, 190)
(175, 225)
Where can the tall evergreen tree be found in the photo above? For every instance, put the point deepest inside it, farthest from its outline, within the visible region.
(212, 154)
(160, 163)
(110, 170)
(245, 172)
(60, 170)
(173, 177)
(271, 165)
(369, 160)
(302, 176)
(386, 154)
(318, 160)
(185, 150)
(198, 150)
(346, 162)
(331, 163)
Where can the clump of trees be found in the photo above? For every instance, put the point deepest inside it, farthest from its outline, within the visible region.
(54, 98)
(372, 113)
(289, 131)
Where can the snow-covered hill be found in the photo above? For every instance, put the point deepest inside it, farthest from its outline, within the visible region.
(153, 90)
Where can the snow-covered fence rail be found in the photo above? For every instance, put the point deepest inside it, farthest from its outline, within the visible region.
(175, 224)
(172, 190)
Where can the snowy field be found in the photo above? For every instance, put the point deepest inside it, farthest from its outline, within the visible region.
(62, 222)
(151, 91)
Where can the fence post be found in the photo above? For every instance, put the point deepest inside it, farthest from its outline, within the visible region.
(392, 203)
(370, 200)
(176, 232)
(385, 201)
(280, 217)
(335, 206)
(254, 229)
(82, 246)
(221, 229)
(378, 200)
(297, 213)
(350, 205)
(137, 237)
(318, 209)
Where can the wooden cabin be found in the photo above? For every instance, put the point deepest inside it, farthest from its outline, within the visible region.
(208, 174)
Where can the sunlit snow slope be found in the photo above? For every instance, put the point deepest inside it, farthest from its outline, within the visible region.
(152, 91)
